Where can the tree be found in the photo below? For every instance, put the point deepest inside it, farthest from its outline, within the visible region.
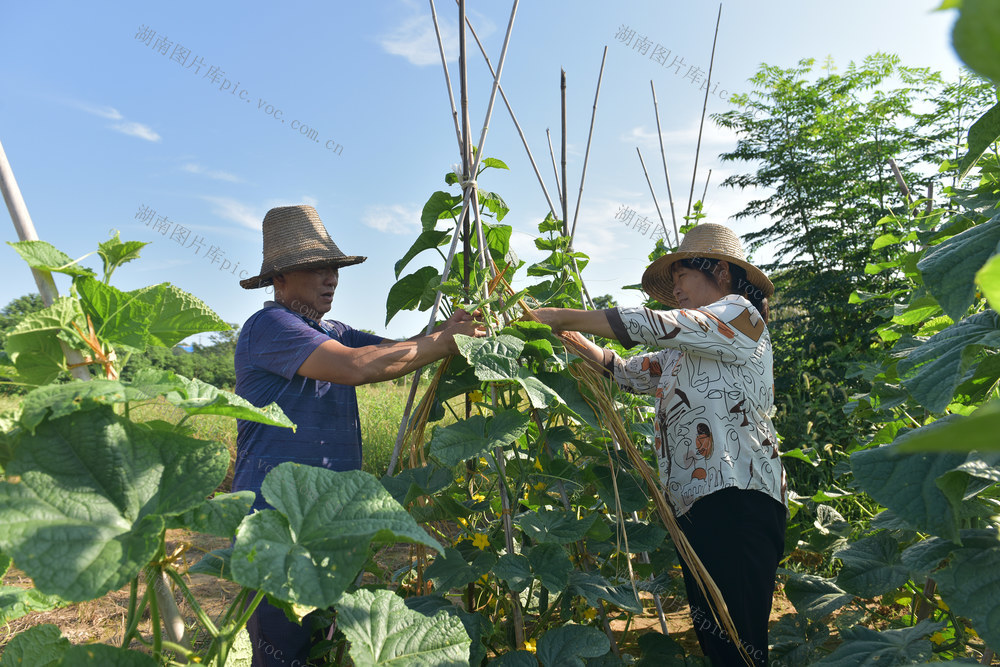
(16, 310)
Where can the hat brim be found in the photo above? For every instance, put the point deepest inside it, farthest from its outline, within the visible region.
(658, 282)
(267, 277)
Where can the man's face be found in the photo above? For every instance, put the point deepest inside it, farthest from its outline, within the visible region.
(308, 292)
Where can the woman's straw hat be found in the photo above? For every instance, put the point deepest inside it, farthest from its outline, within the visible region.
(710, 241)
(295, 239)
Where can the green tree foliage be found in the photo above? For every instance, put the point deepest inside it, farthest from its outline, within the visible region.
(821, 144)
(210, 363)
(16, 310)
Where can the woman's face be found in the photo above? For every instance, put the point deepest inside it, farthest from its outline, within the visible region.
(693, 288)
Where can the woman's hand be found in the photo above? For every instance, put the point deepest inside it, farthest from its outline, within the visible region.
(550, 316)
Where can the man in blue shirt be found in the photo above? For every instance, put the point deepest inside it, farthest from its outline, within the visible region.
(287, 354)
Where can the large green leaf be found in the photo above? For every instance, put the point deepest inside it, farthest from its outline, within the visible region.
(471, 437)
(38, 646)
(932, 371)
(978, 431)
(409, 484)
(427, 240)
(416, 290)
(309, 549)
(220, 515)
(33, 345)
(514, 570)
(16, 602)
(594, 588)
(58, 400)
(103, 655)
(813, 596)
(908, 484)
(558, 526)
(86, 496)
(976, 35)
(455, 569)
(924, 557)
(861, 646)
(988, 278)
(630, 497)
(566, 646)
(176, 314)
(440, 205)
(44, 256)
(551, 565)
(383, 631)
(119, 318)
(796, 640)
(201, 398)
(872, 566)
(970, 584)
(476, 624)
(569, 391)
(982, 135)
(493, 358)
(520, 658)
(949, 269)
(540, 395)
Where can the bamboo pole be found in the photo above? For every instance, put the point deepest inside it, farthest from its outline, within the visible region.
(586, 154)
(555, 169)
(663, 155)
(25, 229)
(447, 76)
(565, 194)
(705, 192)
(650, 183)
(704, 108)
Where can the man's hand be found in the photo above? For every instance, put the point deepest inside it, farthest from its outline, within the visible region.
(468, 327)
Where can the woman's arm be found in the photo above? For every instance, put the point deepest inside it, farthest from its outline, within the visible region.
(569, 319)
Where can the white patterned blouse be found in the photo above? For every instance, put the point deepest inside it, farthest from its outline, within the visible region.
(714, 386)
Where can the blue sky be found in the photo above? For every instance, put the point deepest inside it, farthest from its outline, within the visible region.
(201, 123)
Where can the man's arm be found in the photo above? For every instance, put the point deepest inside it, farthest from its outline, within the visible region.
(335, 362)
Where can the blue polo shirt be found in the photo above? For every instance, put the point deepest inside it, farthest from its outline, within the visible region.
(272, 345)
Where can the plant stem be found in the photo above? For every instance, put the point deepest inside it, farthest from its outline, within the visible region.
(195, 607)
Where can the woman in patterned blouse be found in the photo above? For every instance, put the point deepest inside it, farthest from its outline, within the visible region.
(710, 370)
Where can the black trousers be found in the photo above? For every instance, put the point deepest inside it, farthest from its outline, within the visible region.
(739, 535)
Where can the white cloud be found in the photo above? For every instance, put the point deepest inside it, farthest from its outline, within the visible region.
(110, 113)
(194, 168)
(393, 218)
(414, 38)
(230, 209)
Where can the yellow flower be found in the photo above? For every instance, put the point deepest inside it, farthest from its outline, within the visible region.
(475, 396)
(481, 541)
(938, 638)
(478, 497)
(462, 521)
(590, 613)
(540, 486)
(538, 465)
(484, 579)
(529, 645)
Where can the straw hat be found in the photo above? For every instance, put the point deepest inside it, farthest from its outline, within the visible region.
(710, 241)
(295, 239)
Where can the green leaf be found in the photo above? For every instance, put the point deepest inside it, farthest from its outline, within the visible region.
(427, 240)
(932, 371)
(494, 203)
(412, 291)
(471, 437)
(514, 570)
(540, 395)
(16, 602)
(908, 484)
(558, 526)
(216, 563)
(949, 269)
(862, 646)
(411, 483)
(566, 646)
(796, 640)
(383, 631)
(44, 256)
(642, 536)
(595, 588)
(119, 318)
(176, 314)
(33, 345)
(309, 549)
(630, 494)
(551, 565)
(440, 205)
(519, 658)
(476, 624)
(568, 390)
(103, 655)
(976, 35)
(493, 162)
(201, 398)
(494, 357)
(451, 569)
(115, 252)
(970, 584)
(58, 400)
(872, 566)
(925, 556)
(241, 652)
(988, 278)
(978, 431)
(813, 596)
(983, 133)
(38, 646)
(220, 515)
(86, 497)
